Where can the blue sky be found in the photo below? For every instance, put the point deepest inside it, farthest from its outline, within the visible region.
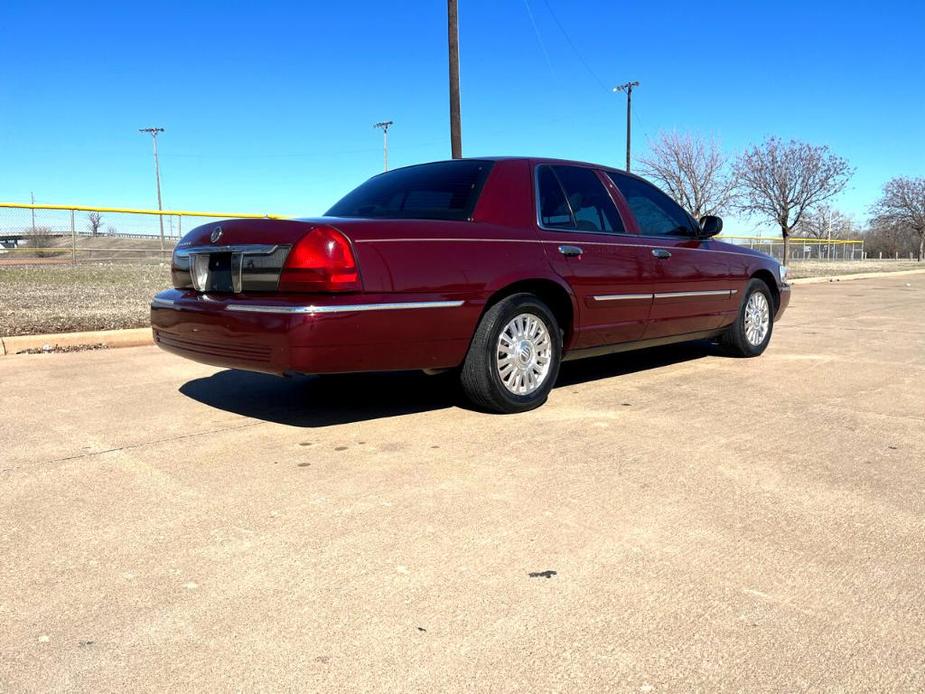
(269, 106)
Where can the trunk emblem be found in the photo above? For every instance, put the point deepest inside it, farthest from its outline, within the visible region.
(216, 235)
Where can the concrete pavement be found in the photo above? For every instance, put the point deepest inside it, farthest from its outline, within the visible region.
(692, 521)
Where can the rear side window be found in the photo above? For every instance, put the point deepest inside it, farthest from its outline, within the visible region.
(573, 197)
(656, 213)
(443, 190)
(554, 209)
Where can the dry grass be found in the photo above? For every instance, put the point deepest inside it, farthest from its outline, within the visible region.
(825, 268)
(64, 298)
(97, 248)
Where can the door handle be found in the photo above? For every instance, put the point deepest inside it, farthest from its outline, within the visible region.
(661, 253)
(570, 250)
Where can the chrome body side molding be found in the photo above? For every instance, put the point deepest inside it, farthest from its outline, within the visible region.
(728, 293)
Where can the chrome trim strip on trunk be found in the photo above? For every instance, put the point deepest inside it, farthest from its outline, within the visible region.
(162, 303)
(247, 248)
(343, 308)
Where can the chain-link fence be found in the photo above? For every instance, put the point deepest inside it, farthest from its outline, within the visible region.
(802, 249)
(57, 234)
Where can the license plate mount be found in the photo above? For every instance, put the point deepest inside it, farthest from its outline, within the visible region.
(217, 272)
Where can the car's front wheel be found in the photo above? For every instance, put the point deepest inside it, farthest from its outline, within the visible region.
(513, 361)
(750, 334)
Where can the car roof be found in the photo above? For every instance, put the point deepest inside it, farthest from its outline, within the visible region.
(535, 160)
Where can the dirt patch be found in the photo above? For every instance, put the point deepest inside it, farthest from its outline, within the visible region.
(56, 349)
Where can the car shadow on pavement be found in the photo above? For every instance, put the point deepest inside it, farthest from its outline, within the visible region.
(320, 401)
(622, 363)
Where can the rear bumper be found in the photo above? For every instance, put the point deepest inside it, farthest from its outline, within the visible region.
(314, 334)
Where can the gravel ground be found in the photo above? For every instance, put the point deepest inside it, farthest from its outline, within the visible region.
(45, 298)
(63, 298)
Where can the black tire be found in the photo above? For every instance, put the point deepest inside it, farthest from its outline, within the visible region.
(479, 377)
(735, 339)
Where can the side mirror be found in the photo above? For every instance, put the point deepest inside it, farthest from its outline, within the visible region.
(710, 225)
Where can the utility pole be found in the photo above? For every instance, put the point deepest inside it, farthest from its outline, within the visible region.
(33, 212)
(452, 12)
(385, 125)
(154, 132)
(628, 88)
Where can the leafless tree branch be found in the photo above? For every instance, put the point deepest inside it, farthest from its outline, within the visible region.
(94, 222)
(825, 222)
(693, 171)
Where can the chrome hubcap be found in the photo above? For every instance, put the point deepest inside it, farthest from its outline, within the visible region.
(757, 318)
(524, 354)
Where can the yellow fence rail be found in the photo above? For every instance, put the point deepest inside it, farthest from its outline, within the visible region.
(131, 210)
(86, 232)
(794, 240)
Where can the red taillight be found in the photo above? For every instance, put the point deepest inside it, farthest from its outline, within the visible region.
(322, 261)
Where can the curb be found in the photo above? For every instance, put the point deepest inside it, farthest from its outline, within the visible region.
(857, 276)
(133, 337)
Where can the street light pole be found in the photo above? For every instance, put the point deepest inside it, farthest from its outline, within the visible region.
(385, 125)
(154, 132)
(628, 88)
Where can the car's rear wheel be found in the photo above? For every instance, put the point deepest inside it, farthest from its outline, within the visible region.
(513, 361)
(750, 334)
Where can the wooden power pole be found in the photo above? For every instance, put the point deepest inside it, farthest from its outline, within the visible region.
(453, 31)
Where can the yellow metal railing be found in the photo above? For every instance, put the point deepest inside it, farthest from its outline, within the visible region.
(129, 210)
(57, 221)
(794, 240)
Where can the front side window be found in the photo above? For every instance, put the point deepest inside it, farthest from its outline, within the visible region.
(656, 213)
(573, 197)
(442, 190)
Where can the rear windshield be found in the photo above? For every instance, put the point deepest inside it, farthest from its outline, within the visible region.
(443, 190)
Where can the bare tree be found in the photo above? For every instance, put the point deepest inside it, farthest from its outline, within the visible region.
(825, 222)
(890, 240)
(781, 181)
(902, 206)
(693, 171)
(94, 222)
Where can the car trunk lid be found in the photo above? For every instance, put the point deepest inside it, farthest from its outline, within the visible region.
(236, 255)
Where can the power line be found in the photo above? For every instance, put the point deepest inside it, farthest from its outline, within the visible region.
(539, 39)
(574, 47)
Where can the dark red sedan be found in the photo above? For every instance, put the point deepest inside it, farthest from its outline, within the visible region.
(498, 267)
